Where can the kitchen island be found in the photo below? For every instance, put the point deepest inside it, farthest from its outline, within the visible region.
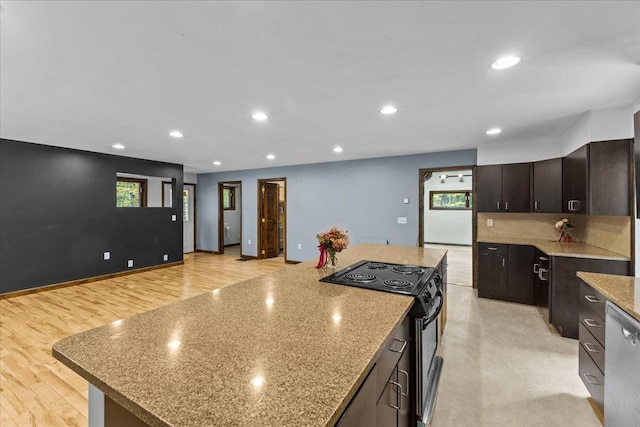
(279, 350)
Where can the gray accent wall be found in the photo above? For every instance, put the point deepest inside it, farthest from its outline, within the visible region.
(363, 196)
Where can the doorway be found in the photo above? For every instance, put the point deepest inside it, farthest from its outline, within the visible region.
(188, 212)
(230, 218)
(272, 218)
(447, 218)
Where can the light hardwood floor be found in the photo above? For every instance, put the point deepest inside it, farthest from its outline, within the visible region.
(36, 389)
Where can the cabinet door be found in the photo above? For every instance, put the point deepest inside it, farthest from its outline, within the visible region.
(574, 181)
(520, 274)
(406, 398)
(564, 298)
(516, 187)
(610, 177)
(361, 411)
(489, 188)
(492, 276)
(547, 186)
(388, 404)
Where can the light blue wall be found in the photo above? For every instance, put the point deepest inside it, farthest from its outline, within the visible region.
(363, 196)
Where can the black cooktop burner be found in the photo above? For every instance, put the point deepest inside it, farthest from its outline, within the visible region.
(397, 283)
(376, 266)
(408, 269)
(360, 277)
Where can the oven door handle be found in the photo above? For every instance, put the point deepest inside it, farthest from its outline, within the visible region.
(429, 319)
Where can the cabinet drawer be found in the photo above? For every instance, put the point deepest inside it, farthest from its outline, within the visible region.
(592, 377)
(592, 323)
(592, 299)
(392, 350)
(592, 346)
(493, 248)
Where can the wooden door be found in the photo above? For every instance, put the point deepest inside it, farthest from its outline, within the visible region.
(515, 187)
(269, 243)
(489, 188)
(547, 186)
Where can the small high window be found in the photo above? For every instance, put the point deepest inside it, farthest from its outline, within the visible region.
(229, 198)
(450, 200)
(131, 193)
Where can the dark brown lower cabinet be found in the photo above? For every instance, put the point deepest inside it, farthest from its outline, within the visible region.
(564, 291)
(362, 408)
(394, 406)
(505, 272)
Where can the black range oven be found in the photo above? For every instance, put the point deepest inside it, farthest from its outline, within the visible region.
(425, 285)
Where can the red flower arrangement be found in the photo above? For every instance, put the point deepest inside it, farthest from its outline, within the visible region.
(330, 242)
(565, 227)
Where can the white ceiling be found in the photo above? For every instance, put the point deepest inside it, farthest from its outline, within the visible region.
(90, 74)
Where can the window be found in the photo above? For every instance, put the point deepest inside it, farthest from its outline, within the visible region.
(229, 198)
(450, 200)
(185, 205)
(131, 193)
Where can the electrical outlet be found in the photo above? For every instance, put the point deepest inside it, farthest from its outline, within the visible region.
(489, 222)
(405, 200)
(173, 218)
(402, 220)
(249, 242)
(130, 263)
(299, 245)
(107, 256)
(165, 257)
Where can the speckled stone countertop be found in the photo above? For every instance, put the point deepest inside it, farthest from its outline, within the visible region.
(624, 291)
(282, 349)
(554, 248)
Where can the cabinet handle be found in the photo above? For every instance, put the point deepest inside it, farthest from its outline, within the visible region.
(398, 392)
(594, 382)
(541, 274)
(535, 205)
(407, 375)
(506, 206)
(491, 248)
(497, 206)
(591, 298)
(543, 258)
(404, 344)
(593, 323)
(503, 262)
(536, 267)
(591, 348)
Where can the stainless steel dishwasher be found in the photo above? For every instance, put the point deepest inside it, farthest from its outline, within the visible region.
(622, 369)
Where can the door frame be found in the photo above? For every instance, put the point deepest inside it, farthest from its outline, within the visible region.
(195, 210)
(258, 223)
(474, 228)
(221, 185)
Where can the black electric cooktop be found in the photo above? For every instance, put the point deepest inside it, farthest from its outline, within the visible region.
(383, 276)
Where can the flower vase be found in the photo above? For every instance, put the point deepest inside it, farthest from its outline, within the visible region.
(565, 238)
(332, 260)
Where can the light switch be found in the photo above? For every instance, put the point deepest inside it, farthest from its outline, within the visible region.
(249, 242)
(107, 256)
(173, 218)
(489, 222)
(299, 245)
(405, 200)
(402, 220)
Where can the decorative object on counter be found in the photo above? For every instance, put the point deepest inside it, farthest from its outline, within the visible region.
(565, 227)
(330, 242)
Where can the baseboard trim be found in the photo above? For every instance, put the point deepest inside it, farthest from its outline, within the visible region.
(86, 280)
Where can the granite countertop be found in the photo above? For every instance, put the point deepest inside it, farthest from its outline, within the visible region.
(554, 248)
(282, 349)
(624, 291)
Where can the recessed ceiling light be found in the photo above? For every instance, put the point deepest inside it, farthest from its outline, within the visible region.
(217, 163)
(505, 62)
(270, 156)
(388, 109)
(494, 131)
(337, 149)
(260, 116)
(118, 146)
(176, 134)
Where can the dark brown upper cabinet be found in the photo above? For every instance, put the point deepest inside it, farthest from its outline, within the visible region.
(503, 188)
(547, 186)
(597, 179)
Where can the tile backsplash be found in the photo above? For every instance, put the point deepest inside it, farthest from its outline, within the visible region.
(608, 232)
